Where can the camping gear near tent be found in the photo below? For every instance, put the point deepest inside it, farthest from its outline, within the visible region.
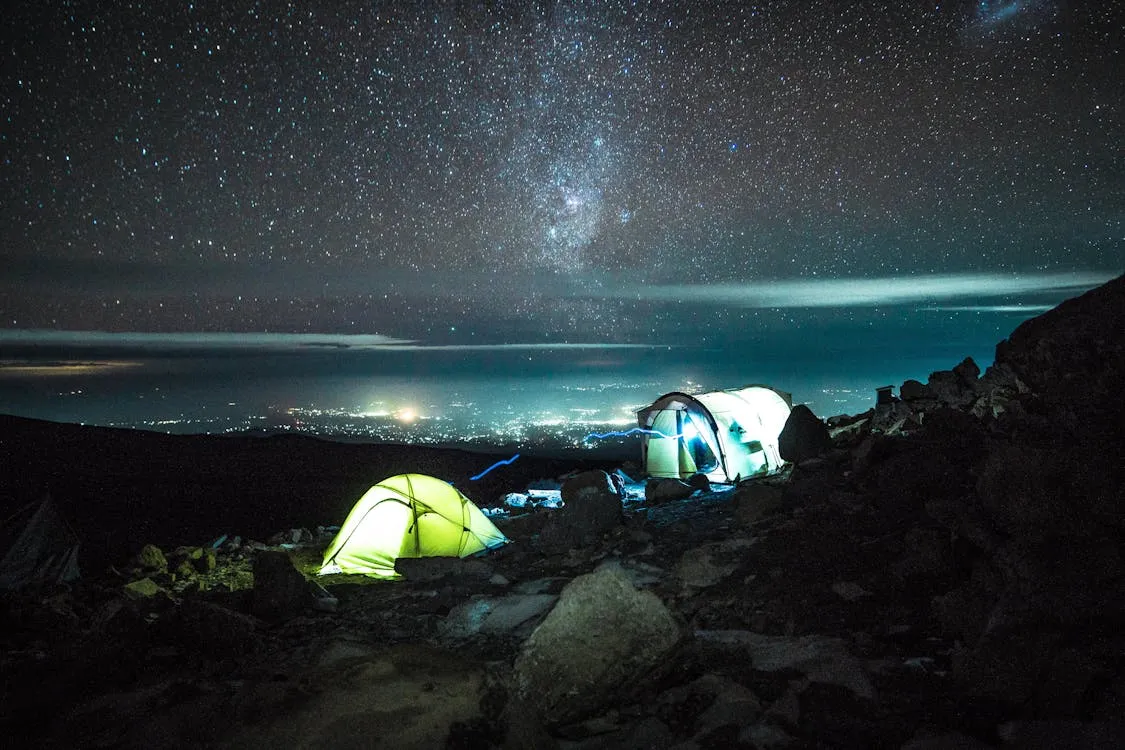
(408, 515)
(37, 547)
(726, 435)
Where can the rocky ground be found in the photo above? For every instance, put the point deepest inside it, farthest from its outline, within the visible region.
(944, 571)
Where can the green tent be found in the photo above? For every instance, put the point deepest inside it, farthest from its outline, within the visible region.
(408, 515)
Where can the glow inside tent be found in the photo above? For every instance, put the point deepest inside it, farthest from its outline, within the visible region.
(726, 435)
(408, 515)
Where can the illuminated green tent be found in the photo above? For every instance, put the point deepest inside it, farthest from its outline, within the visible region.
(723, 434)
(408, 515)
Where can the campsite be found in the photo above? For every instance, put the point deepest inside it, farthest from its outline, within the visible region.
(944, 570)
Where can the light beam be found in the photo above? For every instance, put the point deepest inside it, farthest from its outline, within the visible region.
(627, 433)
(495, 465)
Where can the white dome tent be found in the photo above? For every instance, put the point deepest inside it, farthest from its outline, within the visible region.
(727, 435)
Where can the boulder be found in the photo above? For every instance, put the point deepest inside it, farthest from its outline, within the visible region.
(185, 570)
(803, 436)
(1069, 682)
(1064, 735)
(602, 637)
(699, 483)
(850, 591)
(280, 590)
(956, 430)
(822, 659)
(203, 559)
(208, 628)
(151, 558)
(913, 390)
(924, 740)
(733, 704)
(963, 612)
(592, 498)
(429, 569)
(698, 568)
(925, 552)
(1005, 669)
(846, 433)
(591, 507)
(645, 734)
(661, 491)
(523, 526)
(968, 371)
(957, 387)
(404, 697)
(709, 703)
(753, 502)
(496, 614)
(142, 589)
(1023, 490)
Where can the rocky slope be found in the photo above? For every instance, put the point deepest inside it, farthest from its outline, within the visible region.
(948, 574)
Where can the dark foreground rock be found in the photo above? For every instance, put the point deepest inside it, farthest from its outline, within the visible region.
(601, 637)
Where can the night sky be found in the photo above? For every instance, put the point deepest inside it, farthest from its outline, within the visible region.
(522, 172)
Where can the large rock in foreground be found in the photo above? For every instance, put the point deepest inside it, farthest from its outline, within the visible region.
(601, 636)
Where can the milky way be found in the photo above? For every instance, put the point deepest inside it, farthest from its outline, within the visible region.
(439, 169)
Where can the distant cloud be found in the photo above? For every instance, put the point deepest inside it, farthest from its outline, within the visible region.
(198, 340)
(519, 347)
(272, 341)
(988, 308)
(897, 290)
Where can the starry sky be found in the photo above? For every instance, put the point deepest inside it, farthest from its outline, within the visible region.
(606, 171)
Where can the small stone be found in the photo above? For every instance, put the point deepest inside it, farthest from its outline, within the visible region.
(849, 590)
(661, 491)
(185, 570)
(152, 558)
(206, 561)
(699, 483)
(142, 589)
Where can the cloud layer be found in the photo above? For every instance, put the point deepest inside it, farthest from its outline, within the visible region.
(267, 341)
(875, 292)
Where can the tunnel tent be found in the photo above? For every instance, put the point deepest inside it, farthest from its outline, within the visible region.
(408, 515)
(727, 435)
(37, 546)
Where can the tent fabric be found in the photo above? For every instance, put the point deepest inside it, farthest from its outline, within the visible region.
(37, 547)
(726, 435)
(408, 515)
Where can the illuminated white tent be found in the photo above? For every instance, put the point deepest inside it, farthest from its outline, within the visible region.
(726, 435)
